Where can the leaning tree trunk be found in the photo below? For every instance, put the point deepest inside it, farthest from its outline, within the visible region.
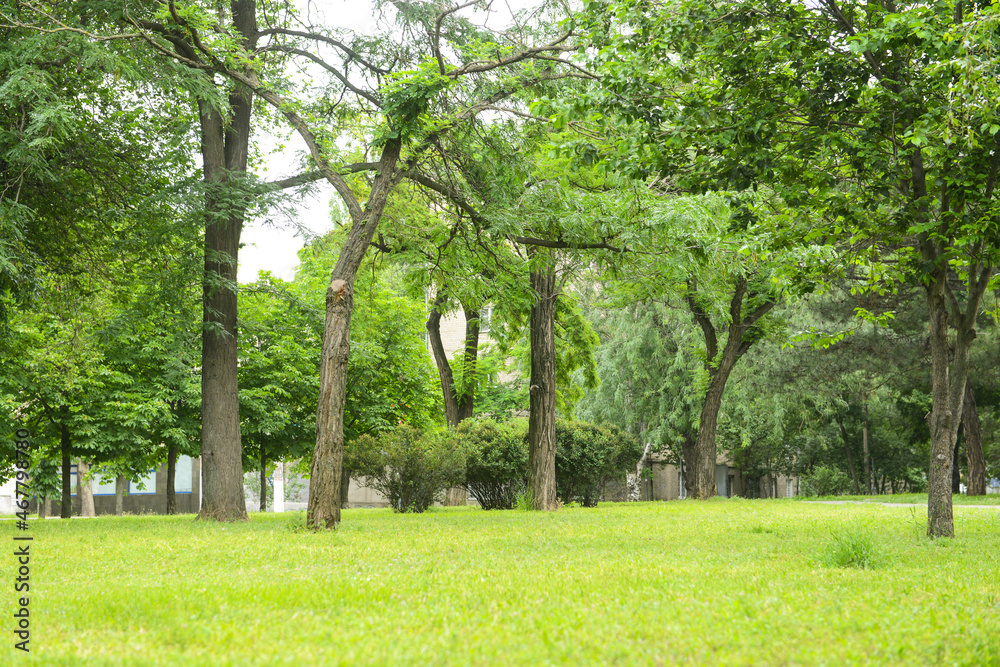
(225, 147)
(121, 483)
(457, 407)
(171, 479)
(84, 489)
(976, 484)
(702, 472)
(66, 504)
(328, 456)
(542, 396)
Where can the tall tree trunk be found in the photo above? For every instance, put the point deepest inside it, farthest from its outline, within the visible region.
(66, 504)
(171, 479)
(633, 483)
(956, 469)
(225, 147)
(345, 486)
(542, 394)
(869, 485)
(457, 407)
(976, 484)
(263, 479)
(44, 507)
(702, 468)
(84, 489)
(121, 483)
(850, 456)
(948, 394)
(328, 456)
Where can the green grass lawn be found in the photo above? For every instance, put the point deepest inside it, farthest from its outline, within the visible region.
(732, 582)
(907, 498)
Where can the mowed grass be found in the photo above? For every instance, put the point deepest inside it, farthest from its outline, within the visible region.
(909, 498)
(732, 582)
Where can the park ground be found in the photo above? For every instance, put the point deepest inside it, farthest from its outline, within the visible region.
(728, 582)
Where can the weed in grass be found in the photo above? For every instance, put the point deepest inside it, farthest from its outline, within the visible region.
(855, 546)
(525, 501)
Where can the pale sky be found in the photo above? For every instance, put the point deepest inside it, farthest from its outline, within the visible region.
(271, 245)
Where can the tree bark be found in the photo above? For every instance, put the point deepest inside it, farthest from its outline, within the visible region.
(976, 484)
(633, 482)
(84, 489)
(457, 407)
(171, 479)
(701, 467)
(956, 469)
(44, 507)
(542, 394)
(121, 483)
(225, 147)
(328, 456)
(869, 485)
(850, 457)
(66, 504)
(345, 486)
(263, 479)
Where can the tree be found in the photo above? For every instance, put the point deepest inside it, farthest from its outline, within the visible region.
(874, 123)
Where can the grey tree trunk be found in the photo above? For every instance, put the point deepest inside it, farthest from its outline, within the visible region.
(345, 486)
(263, 479)
(976, 484)
(171, 479)
(121, 483)
(328, 456)
(66, 504)
(956, 469)
(633, 482)
(84, 489)
(44, 507)
(542, 393)
(225, 147)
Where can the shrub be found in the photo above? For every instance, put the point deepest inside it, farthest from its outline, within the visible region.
(410, 468)
(587, 456)
(496, 466)
(857, 547)
(824, 481)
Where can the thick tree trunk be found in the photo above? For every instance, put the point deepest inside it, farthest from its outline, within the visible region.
(121, 483)
(84, 489)
(850, 457)
(947, 396)
(66, 505)
(171, 479)
(225, 147)
(328, 456)
(263, 479)
(976, 484)
(44, 507)
(542, 395)
(702, 472)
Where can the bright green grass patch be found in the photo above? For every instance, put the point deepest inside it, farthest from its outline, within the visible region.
(910, 498)
(731, 583)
